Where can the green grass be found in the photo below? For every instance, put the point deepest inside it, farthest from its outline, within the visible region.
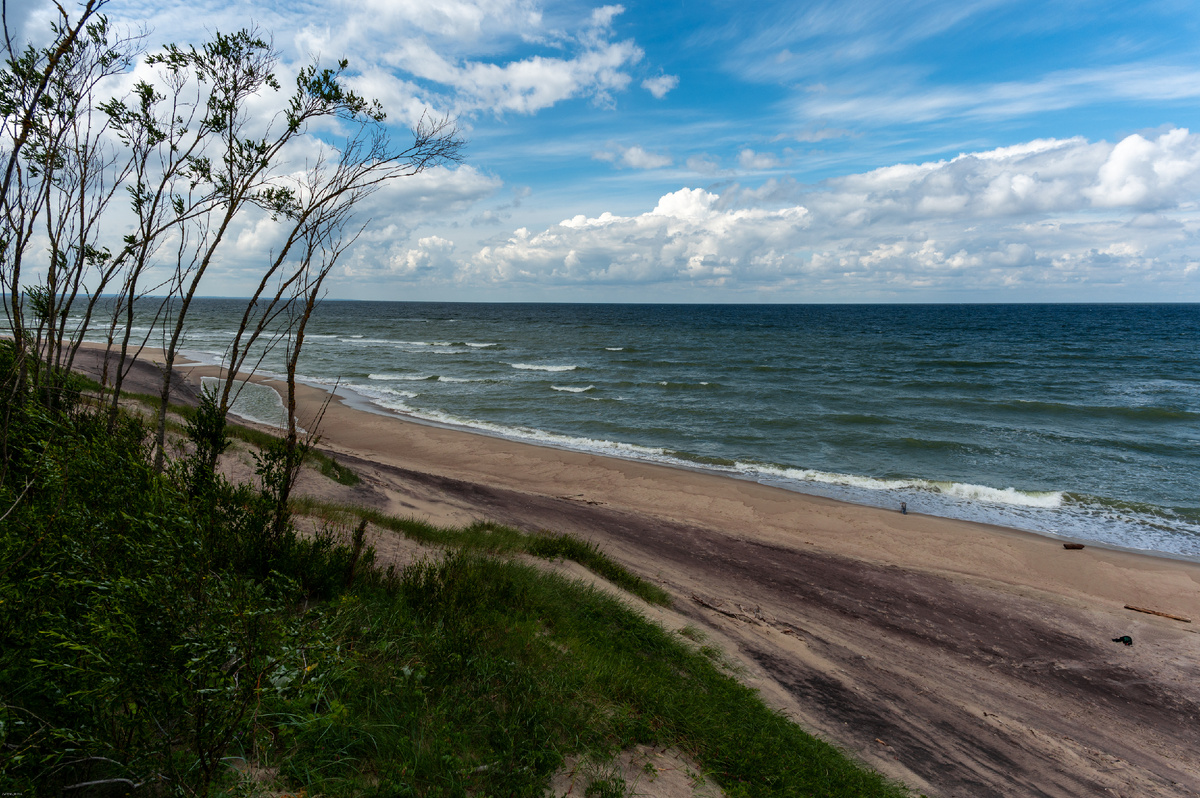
(478, 676)
(494, 539)
(193, 635)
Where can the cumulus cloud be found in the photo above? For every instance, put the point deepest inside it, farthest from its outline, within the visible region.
(1042, 176)
(452, 55)
(401, 206)
(634, 157)
(660, 85)
(684, 237)
(528, 85)
(431, 254)
(749, 159)
(1053, 212)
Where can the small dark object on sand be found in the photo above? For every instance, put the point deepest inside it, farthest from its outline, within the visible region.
(1126, 639)
(1073, 546)
(904, 508)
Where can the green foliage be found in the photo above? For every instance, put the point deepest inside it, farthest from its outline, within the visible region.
(157, 630)
(143, 619)
(498, 539)
(205, 429)
(478, 676)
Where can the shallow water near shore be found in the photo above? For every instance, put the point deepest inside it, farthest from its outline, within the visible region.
(1075, 420)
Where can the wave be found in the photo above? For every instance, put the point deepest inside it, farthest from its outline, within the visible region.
(1144, 413)
(859, 418)
(1050, 512)
(533, 367)
(615, 348)
(479, 346)
(388, 377)
(684, 386)
(380, 391)
(571, 390)
(1064, 409)
(958, 490)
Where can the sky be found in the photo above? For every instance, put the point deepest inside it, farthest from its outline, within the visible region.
(720, 151)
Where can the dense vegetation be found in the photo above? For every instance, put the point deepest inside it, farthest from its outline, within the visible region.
(164, 634)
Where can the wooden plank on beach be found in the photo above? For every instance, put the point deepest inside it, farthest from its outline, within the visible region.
(1156, 612)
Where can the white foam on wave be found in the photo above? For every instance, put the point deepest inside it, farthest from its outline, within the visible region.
(534, 367)
(615, 348)
(479, 346)
(1022, 498)
(381, 391)
(390, 377)
(958, 490)
(569, 389)
(389, 399)
(460, 379)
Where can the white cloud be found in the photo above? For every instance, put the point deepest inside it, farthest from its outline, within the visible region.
(634, 157)
(814, 134)
(457, 50)
(704, 164)
(1041, 177)
(749, 159)
(432, 254)
(1144, 173)
(1055, 91)
(683, 238)
(603, 16)
(1047, 214)
(528, 85)
(659, 86)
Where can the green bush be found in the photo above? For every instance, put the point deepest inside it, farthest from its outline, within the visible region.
(142, 617)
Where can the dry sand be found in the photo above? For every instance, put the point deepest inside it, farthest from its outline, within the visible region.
(963, 659)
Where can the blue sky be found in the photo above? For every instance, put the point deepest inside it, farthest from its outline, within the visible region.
(800, 151)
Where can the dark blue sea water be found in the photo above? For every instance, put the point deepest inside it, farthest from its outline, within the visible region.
(1074, 420)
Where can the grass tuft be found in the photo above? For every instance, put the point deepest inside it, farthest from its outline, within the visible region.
(494, 538)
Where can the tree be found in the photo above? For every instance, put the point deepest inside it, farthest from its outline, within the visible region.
(192, 159)
(321, 228)
(60, 172)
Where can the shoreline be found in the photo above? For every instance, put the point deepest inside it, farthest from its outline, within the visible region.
(361, 403)
(962, 658)
(348, 429)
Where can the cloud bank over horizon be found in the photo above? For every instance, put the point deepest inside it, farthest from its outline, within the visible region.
(786, 152)
(1050, 214)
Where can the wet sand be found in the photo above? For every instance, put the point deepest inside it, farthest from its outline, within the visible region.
(963, 659)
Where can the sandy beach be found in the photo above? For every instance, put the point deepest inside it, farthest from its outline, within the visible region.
(963, 659)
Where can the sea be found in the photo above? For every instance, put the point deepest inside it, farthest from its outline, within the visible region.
(1077, 421)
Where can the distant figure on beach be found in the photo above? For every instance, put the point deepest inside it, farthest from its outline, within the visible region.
(904, 508)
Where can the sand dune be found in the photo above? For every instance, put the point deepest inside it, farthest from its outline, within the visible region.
(964, 659)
